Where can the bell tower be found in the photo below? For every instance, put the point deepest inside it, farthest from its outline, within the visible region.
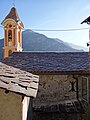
(12, 33)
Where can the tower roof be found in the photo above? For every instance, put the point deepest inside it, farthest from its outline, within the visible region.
(13, 15)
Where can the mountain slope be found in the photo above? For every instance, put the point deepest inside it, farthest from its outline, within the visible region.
(77, 46)
(33, 41)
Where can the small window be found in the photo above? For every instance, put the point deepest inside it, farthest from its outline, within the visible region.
(9, 35)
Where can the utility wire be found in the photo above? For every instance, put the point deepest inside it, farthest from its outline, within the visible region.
(55, 30)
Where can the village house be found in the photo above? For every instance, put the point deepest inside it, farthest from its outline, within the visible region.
(64, 81)
(64, 76)
(17, 90)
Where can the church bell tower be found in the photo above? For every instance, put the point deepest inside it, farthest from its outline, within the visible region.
(12, 33)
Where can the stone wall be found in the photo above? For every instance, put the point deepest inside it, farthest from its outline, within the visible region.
(56, 88)
(53, 90)
(10, 106)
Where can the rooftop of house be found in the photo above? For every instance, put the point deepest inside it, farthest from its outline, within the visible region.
(65, 107)
(87, 20)
(18, 81)
(50, 62)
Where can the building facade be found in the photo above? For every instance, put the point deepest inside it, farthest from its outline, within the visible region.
(64, 82)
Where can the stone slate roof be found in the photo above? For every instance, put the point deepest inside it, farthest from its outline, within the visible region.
(13, 15)
(66, 107)
(50, 62)
(87, 20)
(18, 81)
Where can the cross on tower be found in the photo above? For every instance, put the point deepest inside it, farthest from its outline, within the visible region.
(14, 3)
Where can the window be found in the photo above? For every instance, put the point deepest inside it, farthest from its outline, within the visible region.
(9, 35)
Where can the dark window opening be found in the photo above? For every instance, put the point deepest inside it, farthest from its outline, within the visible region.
(9, 35)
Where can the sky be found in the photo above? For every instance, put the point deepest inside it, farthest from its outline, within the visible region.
(52, 15)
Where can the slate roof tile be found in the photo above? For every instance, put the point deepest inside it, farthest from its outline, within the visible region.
(18, 81)
(50, 61)
(72, 107)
